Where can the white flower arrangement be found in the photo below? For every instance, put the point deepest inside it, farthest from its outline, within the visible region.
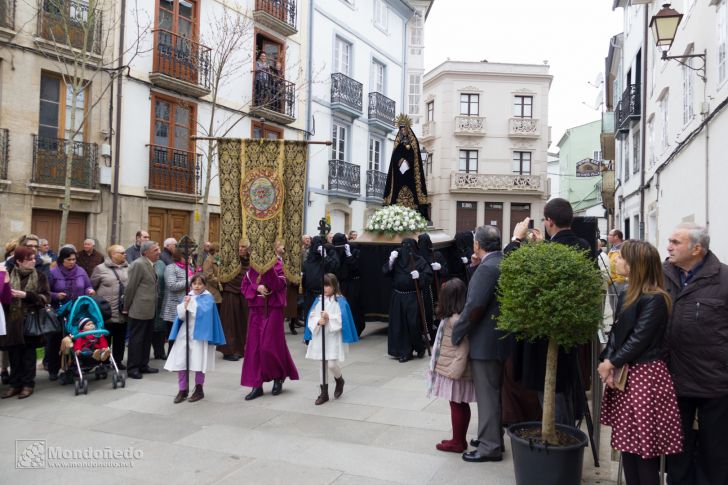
(396, 219)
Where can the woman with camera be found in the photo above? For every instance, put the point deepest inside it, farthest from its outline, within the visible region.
(109, 280)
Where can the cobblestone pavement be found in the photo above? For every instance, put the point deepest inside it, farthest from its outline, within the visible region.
(383, 430)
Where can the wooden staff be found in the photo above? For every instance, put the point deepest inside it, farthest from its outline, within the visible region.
(421, 306)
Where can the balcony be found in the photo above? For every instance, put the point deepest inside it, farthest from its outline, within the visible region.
(490, 183)
(7, 19)
(67, 27)
(274, 98)
(50, 156)
(606, 137)
(344, 180)
(180, 64)
(278, 15)
(173, 174)
(381, 112)
(4, 144)
(428, 131)
(608, 188)
(470, 125)
(376, 181)
(523, 128)
(628, 108)
(346, 95)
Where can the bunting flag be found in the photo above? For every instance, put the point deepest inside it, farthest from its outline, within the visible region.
(262, 189)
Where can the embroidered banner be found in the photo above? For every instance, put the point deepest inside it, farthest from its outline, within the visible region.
(262, 187)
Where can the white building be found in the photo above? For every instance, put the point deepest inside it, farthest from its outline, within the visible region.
(359, 84)
(669, 127)
(487, 134)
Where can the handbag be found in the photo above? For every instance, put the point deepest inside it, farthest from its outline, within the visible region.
(122, 288)
(49, 321)
(31, 325)
(620, 377)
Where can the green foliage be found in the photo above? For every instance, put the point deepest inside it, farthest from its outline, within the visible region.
(552, 291)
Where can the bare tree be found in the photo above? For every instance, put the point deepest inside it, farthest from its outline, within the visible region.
(81, 40)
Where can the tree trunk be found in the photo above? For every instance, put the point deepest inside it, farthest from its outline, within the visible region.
(68, 148)
(211, 146)
(548, 419)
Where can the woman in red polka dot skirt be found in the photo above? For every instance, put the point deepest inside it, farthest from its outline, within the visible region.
(644, 416)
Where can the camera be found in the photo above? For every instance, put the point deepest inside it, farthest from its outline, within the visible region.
(530, 224)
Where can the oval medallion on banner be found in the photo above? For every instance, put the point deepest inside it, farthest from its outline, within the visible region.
(262, 193)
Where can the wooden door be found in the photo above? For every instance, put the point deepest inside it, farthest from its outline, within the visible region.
(46, 224)
(518, 213)
(214, 228)
(164, 223)
(466, 217)
(494, 215)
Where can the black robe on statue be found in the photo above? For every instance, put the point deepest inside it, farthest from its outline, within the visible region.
(407, 189)
(405, 330)
(349, 278)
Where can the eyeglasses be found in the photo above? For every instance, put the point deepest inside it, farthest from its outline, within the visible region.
(31, 245)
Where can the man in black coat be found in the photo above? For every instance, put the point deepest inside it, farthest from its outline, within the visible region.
(404, 335)
(350, 278)
(487, 348)
(530, 357)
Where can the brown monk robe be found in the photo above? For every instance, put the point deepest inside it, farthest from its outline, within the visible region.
(291, 310)
(234, 310)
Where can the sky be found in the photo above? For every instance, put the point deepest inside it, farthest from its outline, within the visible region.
(572, 35)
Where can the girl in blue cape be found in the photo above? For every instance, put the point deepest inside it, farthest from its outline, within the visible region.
(205, 333)
(337, 325)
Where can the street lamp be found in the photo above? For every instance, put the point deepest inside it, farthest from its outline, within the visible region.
(664, 26)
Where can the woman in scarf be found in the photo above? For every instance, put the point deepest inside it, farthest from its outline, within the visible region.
(30, 293)
(67, 282)
(174, 290)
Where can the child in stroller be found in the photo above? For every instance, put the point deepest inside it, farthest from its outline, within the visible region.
(92, 348)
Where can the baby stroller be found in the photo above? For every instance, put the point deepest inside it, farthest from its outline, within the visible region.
(74, 369)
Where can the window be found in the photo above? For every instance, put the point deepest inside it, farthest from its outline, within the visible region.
(430, 111)
(688, 99)
(417, 34)
(375, 153)
(428, 163)
(625, 159)
(178, 17)
(522, 163)
(338, 139)
(377, 73)
(380, 14)
(172, 159)
(469, 104)
(597, 156)
(469, 161)
(722, 18)
(415, 89)
(664, 120)
(173, 124)
(651, 141)
(523, 106)
(342, 56)
(636, 153)
(54, 120)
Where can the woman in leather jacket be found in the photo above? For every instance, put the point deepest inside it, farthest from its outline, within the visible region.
(643, 415)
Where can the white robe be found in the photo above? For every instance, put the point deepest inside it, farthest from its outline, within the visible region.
(336, 349)
(202, 354)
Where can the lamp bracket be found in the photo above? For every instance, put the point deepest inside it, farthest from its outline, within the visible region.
(679, 59)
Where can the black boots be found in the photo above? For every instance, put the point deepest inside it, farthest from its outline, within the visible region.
(256, 392)
(324, 396)
(292, 326)
(198, 394)
(277, 387)
(181, 396)
(339, 389)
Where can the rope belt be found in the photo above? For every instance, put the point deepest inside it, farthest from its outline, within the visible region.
(405, 292)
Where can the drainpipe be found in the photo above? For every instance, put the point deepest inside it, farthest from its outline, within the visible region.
(117, 132)
(643, 124)
(309, 91)
(707, 157)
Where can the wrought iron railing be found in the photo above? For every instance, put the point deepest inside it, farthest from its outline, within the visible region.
(274, 93)
(283, 10)
(376, 181)
(346, 91)
(7, 14)
(4, 145)
(71, 22)
(344, 177)
(181, 58)
(628, 107)
(381, 108)
(50, 156)
(174, 170)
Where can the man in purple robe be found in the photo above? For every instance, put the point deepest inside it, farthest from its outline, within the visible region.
(266, 354)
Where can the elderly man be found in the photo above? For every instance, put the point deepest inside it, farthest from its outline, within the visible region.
(697, 348)
(88, 258)
(487, 348)
(45, 251)
(167, 254)
(133, 252)
(140, 304)
(202, 256)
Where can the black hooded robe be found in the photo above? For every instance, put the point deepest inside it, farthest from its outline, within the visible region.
(405, 330)
(349, 278)
(312, 277)
(430, 292)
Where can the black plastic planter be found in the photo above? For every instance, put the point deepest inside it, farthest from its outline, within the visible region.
(547, 465)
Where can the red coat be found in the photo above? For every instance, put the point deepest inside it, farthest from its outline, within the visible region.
(90, 343)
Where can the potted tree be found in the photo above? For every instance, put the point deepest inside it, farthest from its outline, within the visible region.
(549, 292)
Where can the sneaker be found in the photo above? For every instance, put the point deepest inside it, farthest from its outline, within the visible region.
(105, 354)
